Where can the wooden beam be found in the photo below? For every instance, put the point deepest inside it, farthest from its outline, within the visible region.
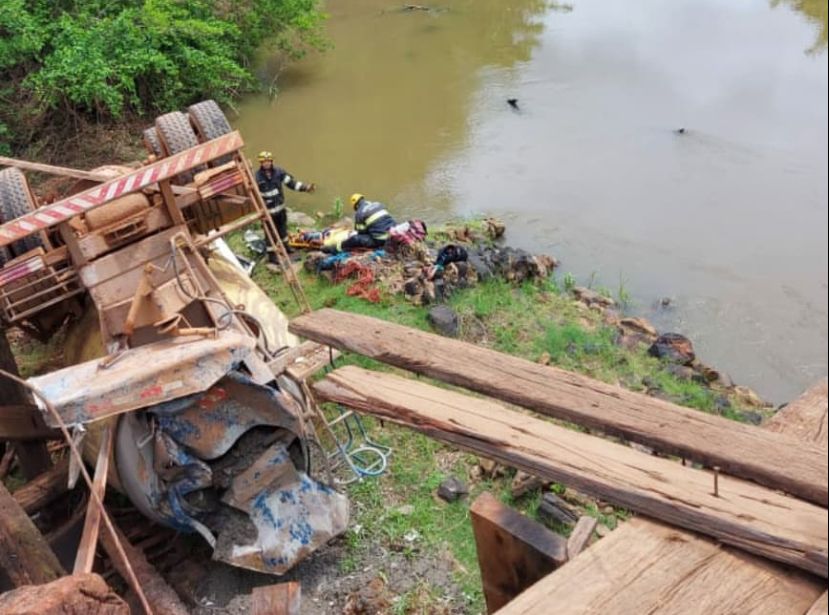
(513, 551)
(745, 579)
(773, 460)
(821, 605)
(160, 596)
(85, 557)
(805, 418)
(44, 489)
(669, 571)
(279, 599)
(581, 535)
(25, 555)
(745, 515)
(24, 422)
(25, 165)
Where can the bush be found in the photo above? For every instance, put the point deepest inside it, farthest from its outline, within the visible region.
(103, 59)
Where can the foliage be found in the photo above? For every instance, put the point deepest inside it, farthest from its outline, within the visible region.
(102, 59)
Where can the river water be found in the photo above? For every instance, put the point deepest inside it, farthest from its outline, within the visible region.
(728, 219)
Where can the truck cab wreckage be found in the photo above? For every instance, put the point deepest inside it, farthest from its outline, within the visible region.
(207, 429)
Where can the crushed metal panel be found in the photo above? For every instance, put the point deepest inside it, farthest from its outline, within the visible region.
(210, 423)
(141, 377)
(292, 514)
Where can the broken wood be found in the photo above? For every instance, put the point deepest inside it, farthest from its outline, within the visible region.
(668, 571)
(44, 489)
(745, 515)
(279, 599)
(805, 418)
(513, 551)
(773, 460)
(720, 578)
(24, 554)
(86, 594)
(24, 422)
(581, 535)
(161, 597)
(85, 557)
(553, 509)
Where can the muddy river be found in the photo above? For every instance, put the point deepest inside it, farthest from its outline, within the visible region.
(727, 219)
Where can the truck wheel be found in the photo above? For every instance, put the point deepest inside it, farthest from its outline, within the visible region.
(210, 123)
(152, 143)
(15, 201)
(176, 135)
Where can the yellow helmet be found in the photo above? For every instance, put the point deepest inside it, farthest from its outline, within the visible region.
(355, 199)
(263, 156)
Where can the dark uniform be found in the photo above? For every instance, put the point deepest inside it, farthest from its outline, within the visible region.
(372, 222)
(270, 182)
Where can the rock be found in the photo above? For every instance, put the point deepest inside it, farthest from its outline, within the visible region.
(725, 380)
(313, 261)
(544, 359)
(495, 229)
(630, 341)
(445, 320)
(608, 510)
(406, 510)
(303, 220)
(412, 287)
(452, 489)
(79, 593)
(479, 265)
(591, 297)
(674, 348)
(683, 372)
(638, 325)
(577, 498)
(752, 417)
(748, 397)
(553, 509)
(602, 530)
(523, 483)
(429, 295)
(491, 469)
(611, 317)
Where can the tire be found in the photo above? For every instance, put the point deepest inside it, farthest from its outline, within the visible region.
(176, 135)
(152, 143)
(15, 201)
(210, 123)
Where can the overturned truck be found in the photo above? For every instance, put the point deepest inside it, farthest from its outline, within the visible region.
(188, 389)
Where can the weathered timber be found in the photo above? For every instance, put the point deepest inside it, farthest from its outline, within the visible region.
(45, 488)
(24, 422)
(513, 551)
(279, 599)
(700, 592)
(774, 460)
(670, 571)
(85, 557)
(160, 596)
(86, 594)
(581, 535)
(745, 515)
(24, 554)
(821, 605)
(805, 418)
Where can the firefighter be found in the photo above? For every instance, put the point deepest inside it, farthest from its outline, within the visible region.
(270, 180)
(371, 221)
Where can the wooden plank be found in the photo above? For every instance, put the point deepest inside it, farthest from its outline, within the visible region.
(805, 418)
(773, 460)
(745, 515)
(85, 557)
(25, 165)
(279, 599)
(745, 575)
(581, 535)
(25, 556)
(24, 422)
(160, 596)
(44, 489)
(513, 551)
(672, 572)
(821, 605)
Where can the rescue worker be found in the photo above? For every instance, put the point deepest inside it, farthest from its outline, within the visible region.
(371, 221)
(270, 180)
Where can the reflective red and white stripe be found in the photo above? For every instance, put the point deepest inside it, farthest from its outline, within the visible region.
(61, 211)
(20, 270)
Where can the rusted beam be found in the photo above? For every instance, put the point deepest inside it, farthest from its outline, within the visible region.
(513, 551)
(279, 599)
(25, 555)
(85, 557)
